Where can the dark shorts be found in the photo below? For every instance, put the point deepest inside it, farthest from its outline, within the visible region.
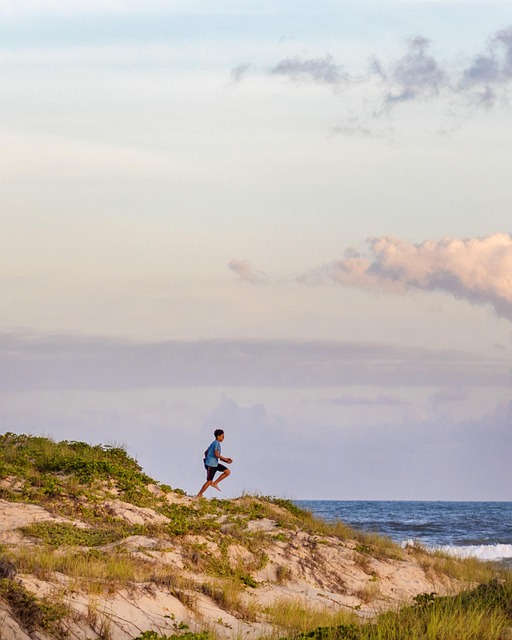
(211, 471)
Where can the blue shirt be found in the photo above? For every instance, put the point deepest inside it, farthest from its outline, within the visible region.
(211, 459)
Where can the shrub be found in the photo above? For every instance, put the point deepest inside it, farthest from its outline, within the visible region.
(36, 457)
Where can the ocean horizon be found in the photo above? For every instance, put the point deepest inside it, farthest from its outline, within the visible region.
(480, 529)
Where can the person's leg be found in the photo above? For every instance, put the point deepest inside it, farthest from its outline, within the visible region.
(210, 474)
(223, 476)
(205, 486)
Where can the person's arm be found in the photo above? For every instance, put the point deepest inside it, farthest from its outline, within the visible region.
(217, 455)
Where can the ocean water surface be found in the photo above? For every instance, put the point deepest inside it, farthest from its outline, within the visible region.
(479, 529)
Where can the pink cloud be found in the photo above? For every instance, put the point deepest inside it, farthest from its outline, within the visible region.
(478, 270)
(246, 272)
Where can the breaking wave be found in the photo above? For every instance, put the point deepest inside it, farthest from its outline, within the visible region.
(482, 551)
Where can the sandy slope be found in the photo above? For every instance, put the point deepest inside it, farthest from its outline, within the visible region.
(317, 570)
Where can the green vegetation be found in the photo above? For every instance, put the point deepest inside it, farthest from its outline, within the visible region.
(467, 570)
(60, 473)
(296, 617)
(188, 635)
(33, 613)
(228, 594)
(192, 548)
(22, 454)
(74, 479)
(483, 613)
(56, 534)
(93, 571)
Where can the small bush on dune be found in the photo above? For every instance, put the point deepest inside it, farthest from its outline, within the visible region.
(35, 458)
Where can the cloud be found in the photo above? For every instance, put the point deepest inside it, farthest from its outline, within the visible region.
(478, 270)
(476, 79)
(416, 74)
(419, 75)
(484, 69)
(494, 65)
(240, 72)
(353, 127)
(504, 38)
(30, 362)
(447, 396)
(246, 272)
(378, 401)
(319, 70)
(489, 71)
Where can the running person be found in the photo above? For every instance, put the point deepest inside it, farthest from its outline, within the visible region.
(212, 456)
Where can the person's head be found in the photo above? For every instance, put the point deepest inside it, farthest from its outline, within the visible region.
(219, 434)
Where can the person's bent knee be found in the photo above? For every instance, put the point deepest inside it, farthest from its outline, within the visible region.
(227, 472)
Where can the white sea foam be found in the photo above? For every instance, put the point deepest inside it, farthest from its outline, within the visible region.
(481, 551)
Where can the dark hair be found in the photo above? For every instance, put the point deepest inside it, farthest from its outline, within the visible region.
(218, 432)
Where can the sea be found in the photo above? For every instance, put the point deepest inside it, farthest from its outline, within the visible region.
(463, 529)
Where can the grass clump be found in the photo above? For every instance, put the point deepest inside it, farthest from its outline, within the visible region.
(484, 613)
(96, 572)
(248, 580)
(296, 617)
(185, 635)
(467, 570)
(481, 614)
(33, 613)
(228, 594)
(21, 453)
(92, 571)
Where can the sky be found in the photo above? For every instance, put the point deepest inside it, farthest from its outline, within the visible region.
(289, 220)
